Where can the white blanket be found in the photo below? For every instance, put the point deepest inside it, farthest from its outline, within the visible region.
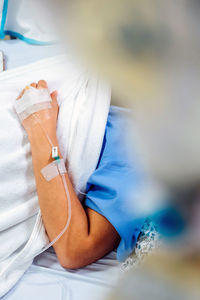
(84, 104)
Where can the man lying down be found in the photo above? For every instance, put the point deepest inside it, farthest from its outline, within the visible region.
(100, 223)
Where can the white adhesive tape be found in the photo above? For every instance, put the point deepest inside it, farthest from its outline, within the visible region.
(57, 167)
(33, 100)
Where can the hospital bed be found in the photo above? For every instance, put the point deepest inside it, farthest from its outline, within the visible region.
(46, 279)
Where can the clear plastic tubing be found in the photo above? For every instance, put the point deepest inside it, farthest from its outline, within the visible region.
(67, 195)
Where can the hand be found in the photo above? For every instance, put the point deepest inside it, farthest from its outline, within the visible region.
(47, 117)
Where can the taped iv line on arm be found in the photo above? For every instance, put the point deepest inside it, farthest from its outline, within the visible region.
(32, 101)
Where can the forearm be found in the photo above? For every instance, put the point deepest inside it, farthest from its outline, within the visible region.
(89, 235)
(53, 201)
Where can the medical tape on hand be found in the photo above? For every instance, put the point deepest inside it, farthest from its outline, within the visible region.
(57, 167)
(33, 100)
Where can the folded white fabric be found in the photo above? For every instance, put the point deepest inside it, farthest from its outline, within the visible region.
(84, 104)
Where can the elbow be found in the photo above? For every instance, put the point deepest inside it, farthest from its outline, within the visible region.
(73, 261)
(75, 257)
(68, 264)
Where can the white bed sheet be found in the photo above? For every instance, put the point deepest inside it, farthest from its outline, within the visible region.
(46, 279)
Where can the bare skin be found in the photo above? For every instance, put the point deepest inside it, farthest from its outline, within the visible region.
(89, 236)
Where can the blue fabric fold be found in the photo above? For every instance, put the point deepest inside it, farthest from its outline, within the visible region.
(111, 189)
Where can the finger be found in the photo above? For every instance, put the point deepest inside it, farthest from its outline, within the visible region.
(21, 94)
(33, 84)
(42, 84)
(54, 96)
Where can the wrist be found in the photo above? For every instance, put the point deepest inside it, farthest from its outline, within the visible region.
(40, 147)
(45, 131)
(42, 135)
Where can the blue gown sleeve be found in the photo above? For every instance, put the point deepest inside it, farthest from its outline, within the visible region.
(111, 184)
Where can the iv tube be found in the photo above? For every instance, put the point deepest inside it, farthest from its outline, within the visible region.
(66, 192)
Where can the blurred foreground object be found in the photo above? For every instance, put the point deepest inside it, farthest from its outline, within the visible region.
(150, 52)
(161, 277)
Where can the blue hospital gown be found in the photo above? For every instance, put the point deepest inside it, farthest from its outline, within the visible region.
(110, 185)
